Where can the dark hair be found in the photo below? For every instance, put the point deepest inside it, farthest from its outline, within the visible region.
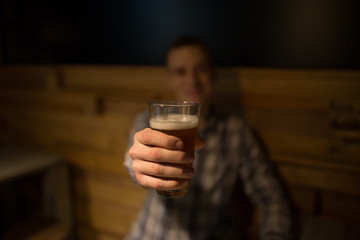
(187, 40)
(191, 40)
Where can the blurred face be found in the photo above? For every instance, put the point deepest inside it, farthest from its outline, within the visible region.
(189, 73)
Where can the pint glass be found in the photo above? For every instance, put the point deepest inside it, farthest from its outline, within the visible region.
(180, 119)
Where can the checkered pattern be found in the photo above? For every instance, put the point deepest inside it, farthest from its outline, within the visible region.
(231, 154)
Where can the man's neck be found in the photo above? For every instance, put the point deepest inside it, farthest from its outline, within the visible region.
(204, 111)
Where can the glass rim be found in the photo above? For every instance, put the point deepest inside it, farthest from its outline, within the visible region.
(173, 104)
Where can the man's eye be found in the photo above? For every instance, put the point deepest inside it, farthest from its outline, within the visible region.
(180, 72)
(202, 68)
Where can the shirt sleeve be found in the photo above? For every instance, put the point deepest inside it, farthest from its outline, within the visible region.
(141, 122)
(263, 187)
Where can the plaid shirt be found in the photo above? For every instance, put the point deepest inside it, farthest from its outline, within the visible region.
(231, 154)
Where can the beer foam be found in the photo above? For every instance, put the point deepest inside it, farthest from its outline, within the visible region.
(174, 122)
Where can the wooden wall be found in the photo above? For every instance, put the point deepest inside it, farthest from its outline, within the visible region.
(309, 122)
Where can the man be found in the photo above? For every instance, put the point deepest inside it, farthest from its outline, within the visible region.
(231, 154)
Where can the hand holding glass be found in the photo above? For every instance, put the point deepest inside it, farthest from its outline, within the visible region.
(179, 119)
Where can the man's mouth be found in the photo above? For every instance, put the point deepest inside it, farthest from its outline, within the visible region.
(193, 95)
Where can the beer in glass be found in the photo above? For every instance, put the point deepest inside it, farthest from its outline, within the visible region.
(179, 119)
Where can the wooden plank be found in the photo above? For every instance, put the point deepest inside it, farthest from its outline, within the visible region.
(56, 231)
(106, 121)
(303, 74)
(345, 208)
(69, 121)
(316, 163)
(28, 77)
(89, 233)
(106, 201)
(348, 135)
(88, 158)
(315, 89)
(274, 82)
(51, 135)
(303, 176)
(106, 216)
(49, 101)
(292, 83)
(3, 124)
(327, 229)
(312, 124)
(121, 105)
(81, 156)
(327, 122)
(89, 142)
(303, 199)
(105, 132)
(308, 75)
(108, 186)
(315, 147)
(114, 77)
(285, 103)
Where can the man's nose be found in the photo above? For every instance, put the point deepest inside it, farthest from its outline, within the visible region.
(192, 78)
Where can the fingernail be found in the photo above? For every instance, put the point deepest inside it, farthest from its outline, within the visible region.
(179, 145)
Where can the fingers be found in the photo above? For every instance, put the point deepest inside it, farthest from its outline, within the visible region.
(162, 176)
(155, 138)
(163, 170)
(159, 161)
(149, 182)
(156, 154)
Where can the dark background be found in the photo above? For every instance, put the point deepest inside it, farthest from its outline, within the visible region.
(287, 33)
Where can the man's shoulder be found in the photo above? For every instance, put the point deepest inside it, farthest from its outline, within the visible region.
(141, 120)
(231, 117)
(142, 116)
